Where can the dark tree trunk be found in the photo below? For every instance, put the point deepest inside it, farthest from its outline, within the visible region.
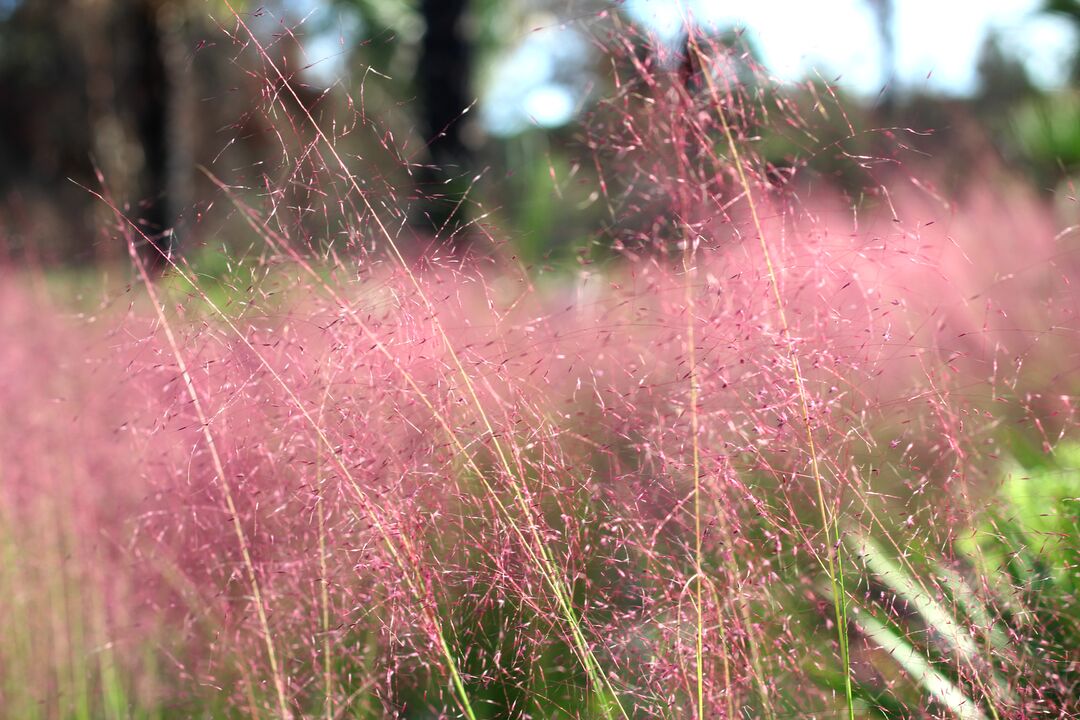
(149, 93)
(443, 79)
(884, 12)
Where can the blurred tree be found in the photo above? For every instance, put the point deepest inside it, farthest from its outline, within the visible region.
(1069, 9)
(442, 87)
(38, 142)
(443, 75)
(150, 79)
(1003, 79)
(884, 12)
(102, 83)
(1033, 131)
(1044, 135)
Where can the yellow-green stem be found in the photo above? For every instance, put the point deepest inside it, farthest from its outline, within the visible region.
(836, 577)
(548, 566)
(223, 481)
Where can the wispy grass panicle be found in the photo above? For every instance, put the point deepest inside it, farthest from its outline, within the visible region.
(351, 474)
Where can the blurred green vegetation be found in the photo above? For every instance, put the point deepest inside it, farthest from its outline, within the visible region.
(950, 630)
(179, 86)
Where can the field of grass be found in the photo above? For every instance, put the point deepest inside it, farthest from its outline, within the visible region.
(782, 455)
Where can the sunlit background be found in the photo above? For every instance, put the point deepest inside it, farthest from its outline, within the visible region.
(493, 93)
(918, 46)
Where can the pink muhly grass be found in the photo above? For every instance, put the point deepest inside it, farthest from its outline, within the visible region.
(367, 484)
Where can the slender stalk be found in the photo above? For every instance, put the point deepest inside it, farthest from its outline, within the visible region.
(752, 649)
(324, 593)
(417, 584)
(532, 542)
(219, 471)
(830, 529)
(541, 553)
(695, 427)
